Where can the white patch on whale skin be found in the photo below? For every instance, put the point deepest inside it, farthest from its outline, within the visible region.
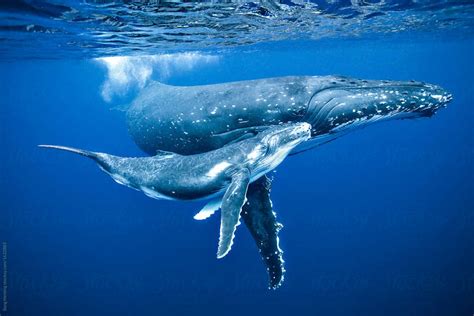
(124, 72)
(153, 194)
(215, 170)
(119, 179)
(255, 154)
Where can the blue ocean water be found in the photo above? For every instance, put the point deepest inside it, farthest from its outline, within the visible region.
(380, 221)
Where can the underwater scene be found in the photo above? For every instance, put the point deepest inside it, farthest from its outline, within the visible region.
(306, 157)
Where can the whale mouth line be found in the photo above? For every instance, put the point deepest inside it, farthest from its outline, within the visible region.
(387, 86)
(347, 88)
(340, 104)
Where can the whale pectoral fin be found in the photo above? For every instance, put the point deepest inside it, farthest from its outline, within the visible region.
(260, 219)
(210, 208)
(232, 202)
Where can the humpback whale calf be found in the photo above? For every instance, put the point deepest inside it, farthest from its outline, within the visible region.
(222, 174)
(196, 119)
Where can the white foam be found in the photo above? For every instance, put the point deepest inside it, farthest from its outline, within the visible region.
(125, 72)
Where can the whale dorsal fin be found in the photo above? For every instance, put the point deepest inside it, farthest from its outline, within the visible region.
(232, 202)
(210, 208)
(164, 153)
(236, 135)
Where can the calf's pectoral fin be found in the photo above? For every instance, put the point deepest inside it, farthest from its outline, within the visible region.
(260, 219)
(232, 202)
(210, 208)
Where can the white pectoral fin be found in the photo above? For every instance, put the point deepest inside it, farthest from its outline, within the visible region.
(232, 202)
(210, 208)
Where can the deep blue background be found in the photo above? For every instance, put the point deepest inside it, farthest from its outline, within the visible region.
(378, 222)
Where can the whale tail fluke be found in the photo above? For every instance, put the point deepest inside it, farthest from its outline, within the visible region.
(82, 152)
(108, 163)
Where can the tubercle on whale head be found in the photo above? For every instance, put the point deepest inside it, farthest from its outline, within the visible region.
(274, 145)
(349, 102)
(276, 142)
(290, 134)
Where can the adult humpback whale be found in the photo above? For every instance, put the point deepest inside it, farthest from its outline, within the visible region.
(222, 174)
(197, 119)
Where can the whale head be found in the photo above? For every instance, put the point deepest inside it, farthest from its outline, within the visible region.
(342, 104)
(275, 143)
